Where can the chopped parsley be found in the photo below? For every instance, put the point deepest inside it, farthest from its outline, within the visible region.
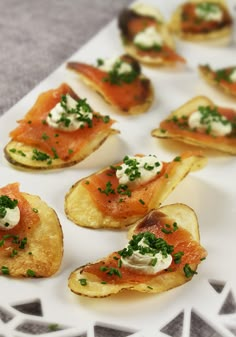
(106, 119)
(40, 156)
(154, 47)
(6, 202)
(178, 158)
(83, 281)
(15, 239)
(53, 327)
(168, 230)
(5, 270)
(81, 112)
(141, 201)
(30, 273)
(111, 271)
(45, 136)
(223, 74)
(20, 152)
(177, 257)
(188, 271)
(150, 245)
(108, 190)
(117, 78)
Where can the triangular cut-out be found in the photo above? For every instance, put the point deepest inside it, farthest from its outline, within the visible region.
(101, 331)
(217, 285)
(30, 308)
(233, 330)
(229, 305)
(5, 316)
(38, 328)
(199, 327)
(175, 327)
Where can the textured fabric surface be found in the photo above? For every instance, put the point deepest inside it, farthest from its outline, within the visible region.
(36, 36)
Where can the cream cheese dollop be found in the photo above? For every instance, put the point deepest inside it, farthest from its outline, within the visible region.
(9, 216)
(148, 38)
(114, 62)
(216, 126)
(147, 263)
(209, 12)
(70, 119)
(138, 170)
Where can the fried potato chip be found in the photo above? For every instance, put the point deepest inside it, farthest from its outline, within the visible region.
(199, 30)
(109, 276)
(87, 205)
(176, 126)
(34, 249)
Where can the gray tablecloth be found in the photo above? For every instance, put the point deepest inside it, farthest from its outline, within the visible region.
(36, 36)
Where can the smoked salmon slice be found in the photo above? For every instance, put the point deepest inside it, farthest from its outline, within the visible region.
(36, 144)
(130, 95)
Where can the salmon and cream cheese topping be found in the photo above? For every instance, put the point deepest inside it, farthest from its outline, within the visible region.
(209, 120)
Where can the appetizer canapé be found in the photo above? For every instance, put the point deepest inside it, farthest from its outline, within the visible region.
(119, 195)
(224, 78)
(120, 82)
(201, 123)
(146, 37)
(31, 239)
(163, 252)
(59, 130)
(200, 20)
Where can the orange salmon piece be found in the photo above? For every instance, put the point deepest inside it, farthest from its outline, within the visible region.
(33, 130)
(28, 217)
(119, 205)
(125, 95)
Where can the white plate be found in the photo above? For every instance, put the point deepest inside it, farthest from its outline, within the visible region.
(202, 307)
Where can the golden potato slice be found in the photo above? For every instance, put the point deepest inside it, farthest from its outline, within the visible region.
(82, 209)
(221, 36)
(170, 128)
(222, 83)
(148, 58)
(43, 253)
(84, 283)
(37, 145)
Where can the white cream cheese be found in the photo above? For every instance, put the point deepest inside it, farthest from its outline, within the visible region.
(232, 76)
(215, 126)
(138, 170)
(148, 38)
(209, 12)
(147, 263)
(61, 119)
(11, 218)
(121, 66)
